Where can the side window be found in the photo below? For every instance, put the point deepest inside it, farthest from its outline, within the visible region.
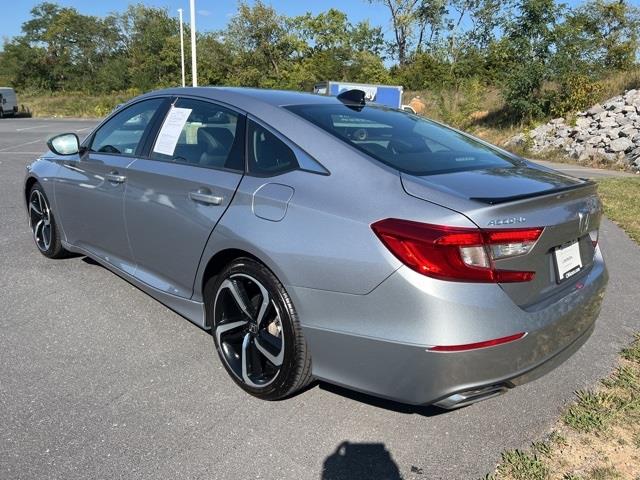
(210, 136)
(123, 132)
(268, 155)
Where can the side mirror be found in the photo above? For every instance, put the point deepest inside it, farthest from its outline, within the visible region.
(65, 144)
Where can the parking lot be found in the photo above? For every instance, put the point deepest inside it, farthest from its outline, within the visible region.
(98, 380)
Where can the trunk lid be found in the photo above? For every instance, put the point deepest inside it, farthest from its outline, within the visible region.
(520, 197)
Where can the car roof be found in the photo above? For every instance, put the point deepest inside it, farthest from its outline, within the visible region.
(276, 98)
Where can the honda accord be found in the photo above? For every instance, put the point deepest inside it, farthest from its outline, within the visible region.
(328, 238)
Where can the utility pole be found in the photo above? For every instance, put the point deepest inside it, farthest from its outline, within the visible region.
(181, 46)
(194, 62)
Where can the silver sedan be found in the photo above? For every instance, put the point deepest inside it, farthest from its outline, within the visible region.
(327, 238)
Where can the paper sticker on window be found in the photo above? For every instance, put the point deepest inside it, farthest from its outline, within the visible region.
(171, 130)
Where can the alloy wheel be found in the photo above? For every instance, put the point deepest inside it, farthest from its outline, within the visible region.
(40, 220)
(248, 330)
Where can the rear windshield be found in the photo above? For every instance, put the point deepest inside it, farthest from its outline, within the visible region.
(406, 142)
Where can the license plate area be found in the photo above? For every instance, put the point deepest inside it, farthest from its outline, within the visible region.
(568, 260)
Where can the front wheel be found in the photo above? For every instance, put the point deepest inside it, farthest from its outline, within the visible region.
(256, 331)
(43, 224)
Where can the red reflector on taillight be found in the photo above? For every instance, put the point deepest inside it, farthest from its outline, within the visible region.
(456, 253)
(475, 346)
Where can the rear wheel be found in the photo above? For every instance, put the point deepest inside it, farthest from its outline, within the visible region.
(256, 331)
(43, 224)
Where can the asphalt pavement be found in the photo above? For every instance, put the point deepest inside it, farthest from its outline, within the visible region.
(98, 380)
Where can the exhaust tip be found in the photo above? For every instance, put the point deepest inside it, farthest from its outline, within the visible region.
(462, 399)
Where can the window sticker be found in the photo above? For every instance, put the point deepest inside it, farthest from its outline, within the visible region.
(171, 130)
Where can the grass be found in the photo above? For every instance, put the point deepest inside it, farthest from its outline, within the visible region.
(597, 438)
(72, 104)
(593, 411)
(621, 198)
(618, 82)
(598, 435)
(632, 353)
(518, 465)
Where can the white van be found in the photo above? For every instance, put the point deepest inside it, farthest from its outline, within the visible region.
(8, 102)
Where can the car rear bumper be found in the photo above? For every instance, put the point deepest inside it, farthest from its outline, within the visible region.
(387, 355)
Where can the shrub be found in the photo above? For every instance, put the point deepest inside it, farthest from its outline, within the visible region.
(523, 92)
(576, 92)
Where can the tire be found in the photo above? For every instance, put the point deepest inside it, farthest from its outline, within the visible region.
(1, 113)
(259, 342)
(43, 224)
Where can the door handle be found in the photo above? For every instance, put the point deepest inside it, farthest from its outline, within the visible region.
(114, 177)
(205, 196)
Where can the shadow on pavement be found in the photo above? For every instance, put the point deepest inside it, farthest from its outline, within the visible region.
(360, 460)
(91, 261)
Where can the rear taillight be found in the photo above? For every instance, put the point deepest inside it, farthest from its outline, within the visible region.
(456, 253)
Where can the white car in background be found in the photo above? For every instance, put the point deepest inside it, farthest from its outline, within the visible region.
(8, 101)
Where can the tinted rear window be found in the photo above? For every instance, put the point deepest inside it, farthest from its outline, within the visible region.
(403, 141)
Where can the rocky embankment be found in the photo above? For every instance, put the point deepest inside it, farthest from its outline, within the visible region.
(608, 133)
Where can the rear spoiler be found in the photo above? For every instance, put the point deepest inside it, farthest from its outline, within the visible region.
(541, 193)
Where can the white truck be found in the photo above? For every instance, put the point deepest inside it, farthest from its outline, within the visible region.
(8, 101)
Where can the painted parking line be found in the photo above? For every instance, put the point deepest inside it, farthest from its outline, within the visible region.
(3, 150)
(31, 128)
(21, 153)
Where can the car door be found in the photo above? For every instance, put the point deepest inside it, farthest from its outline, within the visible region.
(89, 192)
(176, 195)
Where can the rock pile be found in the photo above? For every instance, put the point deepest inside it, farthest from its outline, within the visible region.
(609, 132)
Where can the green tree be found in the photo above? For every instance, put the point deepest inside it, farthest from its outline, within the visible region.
(529, 43)
(599, 35)
(214, 60)
(334, 49)
(261, 46)
(144, 33)
(60, 49)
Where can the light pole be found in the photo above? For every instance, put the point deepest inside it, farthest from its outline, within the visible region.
(194, 66)
(181, 46)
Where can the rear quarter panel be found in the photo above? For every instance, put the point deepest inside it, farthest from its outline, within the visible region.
(324, 241)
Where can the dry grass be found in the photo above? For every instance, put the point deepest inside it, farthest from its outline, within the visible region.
(609, 455)
(597, 438)
(72, 104)
(618, 82)
(462, 107)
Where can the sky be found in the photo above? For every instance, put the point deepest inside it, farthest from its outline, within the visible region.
(210, 14)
